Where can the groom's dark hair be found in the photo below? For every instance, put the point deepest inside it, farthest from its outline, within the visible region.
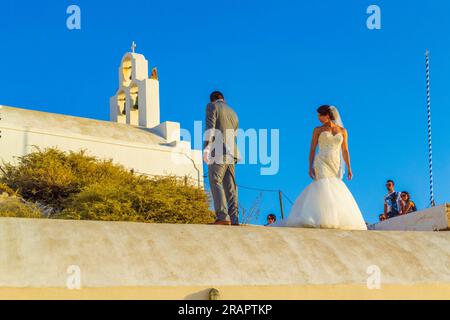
(216, 95)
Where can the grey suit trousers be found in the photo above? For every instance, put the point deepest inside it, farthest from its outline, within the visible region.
(224, 191)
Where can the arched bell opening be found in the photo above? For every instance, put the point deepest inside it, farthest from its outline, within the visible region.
(134, 95)
(127, 69)
(121, 101)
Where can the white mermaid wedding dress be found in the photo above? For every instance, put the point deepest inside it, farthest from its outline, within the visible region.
(326, 202)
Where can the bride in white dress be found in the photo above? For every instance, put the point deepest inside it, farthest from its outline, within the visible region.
(327, 202)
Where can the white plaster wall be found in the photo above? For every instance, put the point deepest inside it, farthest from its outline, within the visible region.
(133, 147)
(150, 115)
(431, 219)
(37, 253)
(113, 116)
(140, 66)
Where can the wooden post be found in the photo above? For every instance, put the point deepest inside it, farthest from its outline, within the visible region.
(280, 196)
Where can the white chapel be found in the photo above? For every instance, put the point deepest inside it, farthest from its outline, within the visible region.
(134, 136)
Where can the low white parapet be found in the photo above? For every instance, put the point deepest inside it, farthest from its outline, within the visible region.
(431, 219)
(168, 130)
(51, 259)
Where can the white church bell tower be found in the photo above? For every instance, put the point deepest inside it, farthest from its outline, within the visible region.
(136, 102)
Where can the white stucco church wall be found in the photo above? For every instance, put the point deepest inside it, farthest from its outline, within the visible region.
(134, 137)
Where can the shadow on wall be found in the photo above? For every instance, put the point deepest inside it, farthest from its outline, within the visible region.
(25, 141)
(200, 295)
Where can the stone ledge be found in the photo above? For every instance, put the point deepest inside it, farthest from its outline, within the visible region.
(431, 219)
(36, 253)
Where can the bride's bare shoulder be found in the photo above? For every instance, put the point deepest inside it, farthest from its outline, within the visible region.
(343, 130)
(318, 130)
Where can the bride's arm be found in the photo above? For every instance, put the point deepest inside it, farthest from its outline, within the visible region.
(346, 155)
(312, 151)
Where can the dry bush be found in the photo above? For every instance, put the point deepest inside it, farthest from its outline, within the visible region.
(13, 206)
(79, 186)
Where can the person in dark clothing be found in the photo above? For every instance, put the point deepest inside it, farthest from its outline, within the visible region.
(392, 201)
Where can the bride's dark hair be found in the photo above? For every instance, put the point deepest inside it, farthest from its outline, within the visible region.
(325, 110)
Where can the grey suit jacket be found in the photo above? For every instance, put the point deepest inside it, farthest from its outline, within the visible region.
(220, 117)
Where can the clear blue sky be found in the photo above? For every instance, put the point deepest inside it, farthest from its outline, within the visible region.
(275, 61)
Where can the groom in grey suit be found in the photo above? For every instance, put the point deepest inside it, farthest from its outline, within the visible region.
(221, 154)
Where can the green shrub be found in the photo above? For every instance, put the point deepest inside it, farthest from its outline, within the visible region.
(100, 202)
(83, 187)
(5, 189)
(163, 200)
(15, 207)
(51, 176)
